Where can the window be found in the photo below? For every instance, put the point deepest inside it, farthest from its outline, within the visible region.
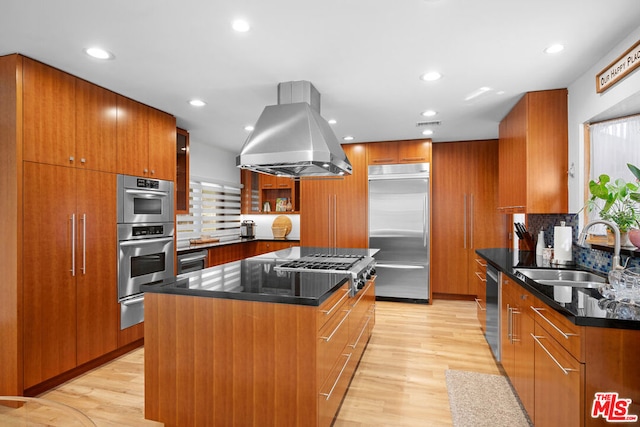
(214, 210)
(615, 143)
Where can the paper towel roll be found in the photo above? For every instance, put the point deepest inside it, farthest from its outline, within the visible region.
(562, 240)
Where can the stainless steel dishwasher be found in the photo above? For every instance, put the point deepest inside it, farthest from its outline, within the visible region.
(492, 298)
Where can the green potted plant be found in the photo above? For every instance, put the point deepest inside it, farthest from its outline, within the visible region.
(634, 233)
(615, 202)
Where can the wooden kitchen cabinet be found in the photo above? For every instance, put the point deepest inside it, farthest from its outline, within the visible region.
(516, 349)
(559, 384)
(49, 110)
(182, 172)
(534, 154)
(463, 214)
(58, 155)
(481, 292)
(146, 141)
(71, 313)
(406, 151)
(67, 121)
(334, 211)
(240, 362)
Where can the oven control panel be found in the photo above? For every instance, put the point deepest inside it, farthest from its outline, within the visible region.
(147, 183)
(147, 230)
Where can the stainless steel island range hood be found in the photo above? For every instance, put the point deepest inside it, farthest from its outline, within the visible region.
(292, 139)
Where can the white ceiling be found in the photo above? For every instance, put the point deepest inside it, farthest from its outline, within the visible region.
(364, 56)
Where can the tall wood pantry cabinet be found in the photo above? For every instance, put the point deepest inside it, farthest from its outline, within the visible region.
(534, 154)
(464, 214)
(59, 136)
(334, 211)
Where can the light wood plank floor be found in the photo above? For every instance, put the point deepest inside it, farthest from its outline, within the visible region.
(400, 380)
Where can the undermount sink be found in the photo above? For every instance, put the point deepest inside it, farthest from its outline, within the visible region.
(559, 277)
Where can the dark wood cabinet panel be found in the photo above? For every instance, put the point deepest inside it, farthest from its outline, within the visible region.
(98, 311)
(534, 154)
(95, 127)
(334, 211)
(162, 145)
(405, 151)
(463, 215)
(49, 114)
(182, 172)
(49, 283)
(132, 137)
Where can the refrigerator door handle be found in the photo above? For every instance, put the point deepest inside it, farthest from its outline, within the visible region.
(400, 266)
(424, 223)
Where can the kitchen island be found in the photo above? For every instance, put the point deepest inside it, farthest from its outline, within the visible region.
(245, 343)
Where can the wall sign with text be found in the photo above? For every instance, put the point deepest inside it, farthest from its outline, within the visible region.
(618, 69)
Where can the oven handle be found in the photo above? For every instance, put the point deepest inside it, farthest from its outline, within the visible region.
(133, 301)
(193, 258)
(145, 241)
(147, 192)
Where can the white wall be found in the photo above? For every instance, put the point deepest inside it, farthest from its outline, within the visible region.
(206, 161)
(585, 104)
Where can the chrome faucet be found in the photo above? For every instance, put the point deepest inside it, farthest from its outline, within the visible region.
(615, 261)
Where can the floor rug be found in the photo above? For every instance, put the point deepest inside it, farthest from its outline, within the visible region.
(479, 400)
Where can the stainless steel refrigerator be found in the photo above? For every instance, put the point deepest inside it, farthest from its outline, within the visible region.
(399, 228)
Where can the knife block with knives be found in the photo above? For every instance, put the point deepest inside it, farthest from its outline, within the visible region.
(526, 240)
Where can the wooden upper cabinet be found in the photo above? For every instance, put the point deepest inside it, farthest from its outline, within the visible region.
(49, 114)
(133, 137)
(162, 145)
(380, 153)
(95, 127)
(533, 154)
(414, 151)
(407, 151)
(182, 171)
(146, 141)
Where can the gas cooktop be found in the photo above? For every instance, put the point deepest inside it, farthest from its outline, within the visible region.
(322, 262)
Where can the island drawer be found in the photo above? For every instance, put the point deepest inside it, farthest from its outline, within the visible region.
(332, 340)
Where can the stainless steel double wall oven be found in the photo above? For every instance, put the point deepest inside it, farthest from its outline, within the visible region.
(145, 241)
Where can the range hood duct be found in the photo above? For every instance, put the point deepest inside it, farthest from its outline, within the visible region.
(292, 139)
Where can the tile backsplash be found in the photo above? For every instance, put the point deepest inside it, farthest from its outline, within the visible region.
(589, 258)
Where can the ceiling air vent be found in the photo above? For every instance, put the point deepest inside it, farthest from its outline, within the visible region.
(433, 123)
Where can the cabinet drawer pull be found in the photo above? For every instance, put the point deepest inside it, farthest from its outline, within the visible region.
(364, 328)
(328, 395)
(484, 279)
(327, 339)
(387, 160)
(479, 305)
(566, 335)
(479, 261)
(562, 368)
(411, 159)
(328, 312)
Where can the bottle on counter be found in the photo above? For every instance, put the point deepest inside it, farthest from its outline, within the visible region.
(540, 244)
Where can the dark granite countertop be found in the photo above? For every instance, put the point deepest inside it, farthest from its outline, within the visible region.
(583, 309)
(255, 279)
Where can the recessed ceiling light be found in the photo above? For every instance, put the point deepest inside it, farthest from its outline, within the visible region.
(248, 128)
(554, 48)
(332, 121)
(431, 76)
(348, 138)
(429, 113)
(98, 53)
(427, 132)
(241, 26)
(197, 103)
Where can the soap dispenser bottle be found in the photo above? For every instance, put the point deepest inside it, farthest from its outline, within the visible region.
(540, 244)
